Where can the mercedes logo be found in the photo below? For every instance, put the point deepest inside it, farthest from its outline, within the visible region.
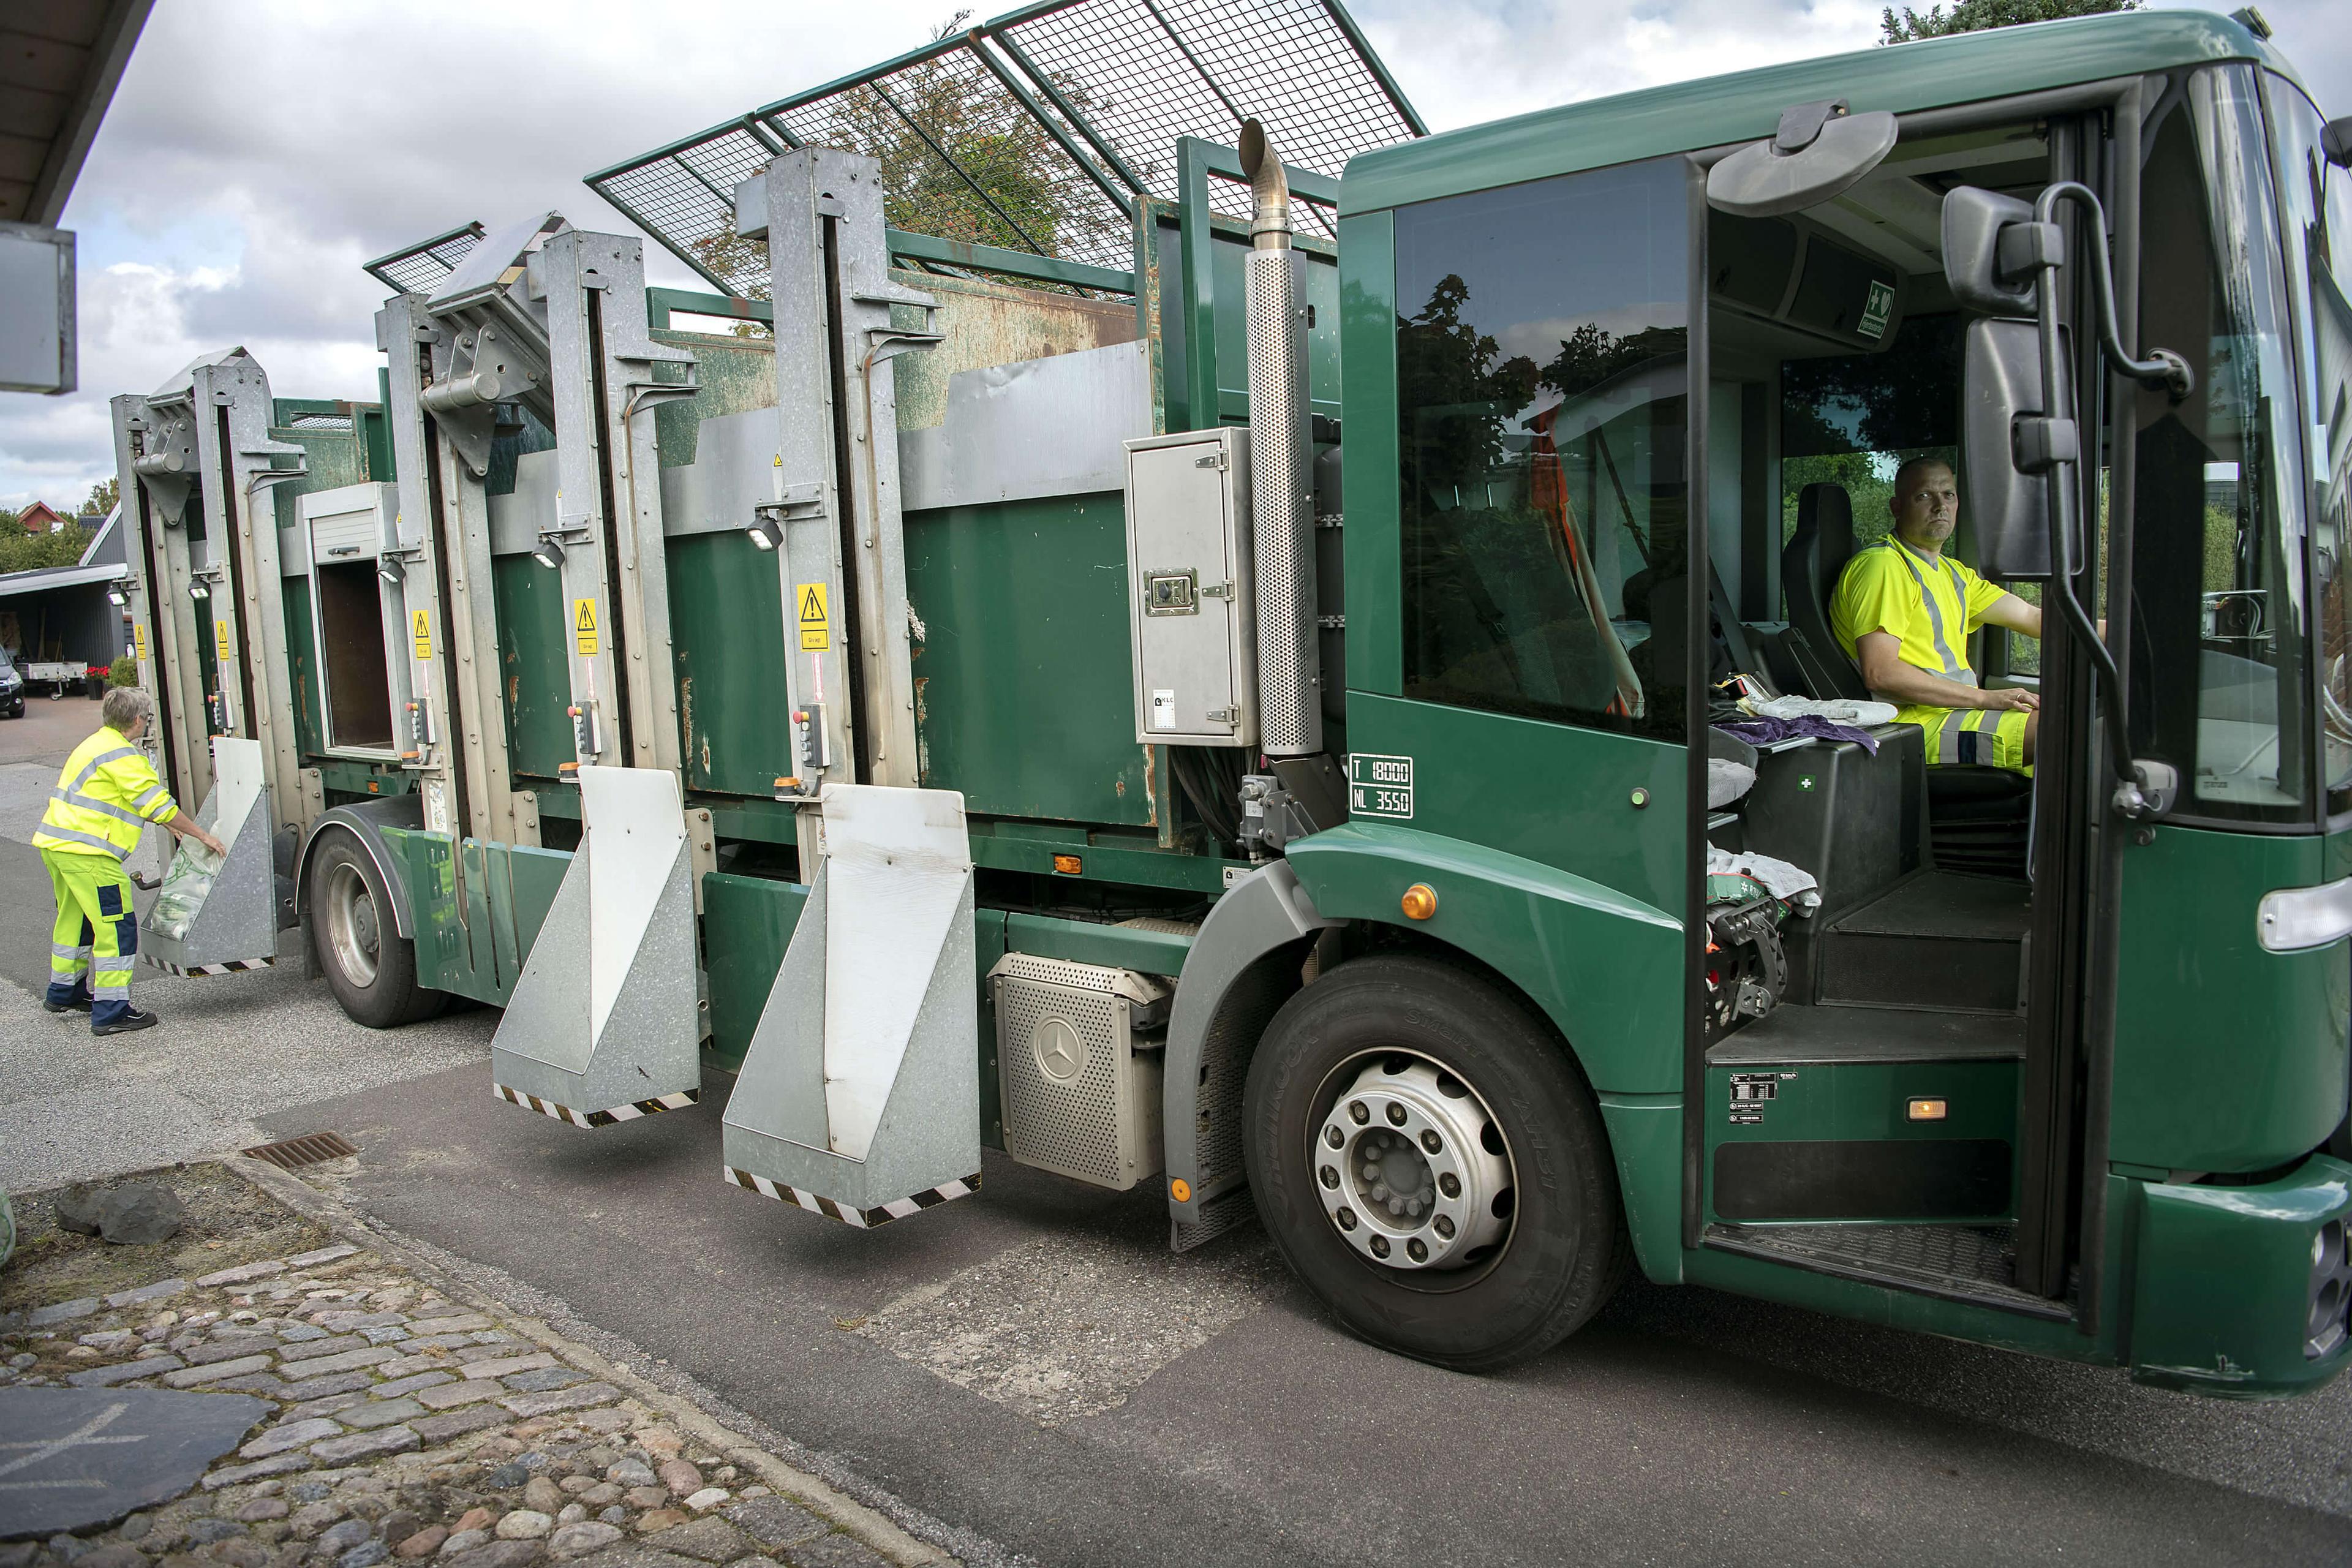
(1060, 1050)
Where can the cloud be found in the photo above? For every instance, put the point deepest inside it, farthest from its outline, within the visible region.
(258, 150)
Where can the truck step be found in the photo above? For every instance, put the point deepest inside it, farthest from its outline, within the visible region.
(1938, 941)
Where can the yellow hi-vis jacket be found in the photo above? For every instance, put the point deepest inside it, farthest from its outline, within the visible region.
(108, 791)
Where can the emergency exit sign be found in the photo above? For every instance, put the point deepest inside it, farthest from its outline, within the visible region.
(1379, 786)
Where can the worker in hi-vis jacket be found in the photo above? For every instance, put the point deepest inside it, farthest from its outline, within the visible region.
(107, 795)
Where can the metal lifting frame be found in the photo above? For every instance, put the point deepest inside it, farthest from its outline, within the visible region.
(551, 320)
(1096, 93)
(204, 435)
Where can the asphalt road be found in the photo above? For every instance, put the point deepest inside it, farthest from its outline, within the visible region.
(1032, 1365)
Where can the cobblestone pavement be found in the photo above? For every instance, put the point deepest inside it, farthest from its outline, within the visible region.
(417, 1424)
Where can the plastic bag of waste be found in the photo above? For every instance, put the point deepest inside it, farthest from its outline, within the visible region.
(185, 887)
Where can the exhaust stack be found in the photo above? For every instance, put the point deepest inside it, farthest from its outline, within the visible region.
(1282, 506)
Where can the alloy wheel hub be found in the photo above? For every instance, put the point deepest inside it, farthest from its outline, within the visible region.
(1412, 1171)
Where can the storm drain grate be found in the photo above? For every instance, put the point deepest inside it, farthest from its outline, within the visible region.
(310, 1149)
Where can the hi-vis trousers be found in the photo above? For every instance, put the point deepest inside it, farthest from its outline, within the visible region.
(95, 936)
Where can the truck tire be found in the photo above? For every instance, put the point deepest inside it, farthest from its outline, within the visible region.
(369, 965)
(1501, 1232)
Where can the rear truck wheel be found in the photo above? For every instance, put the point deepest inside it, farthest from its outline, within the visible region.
(1431, 1164)
(371, 967)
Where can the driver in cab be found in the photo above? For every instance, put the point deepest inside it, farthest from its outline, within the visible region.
(1904, 611)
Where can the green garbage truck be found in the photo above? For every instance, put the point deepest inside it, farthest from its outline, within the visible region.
(1170, 627)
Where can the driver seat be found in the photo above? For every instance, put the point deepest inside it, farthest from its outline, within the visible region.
(1978, 816)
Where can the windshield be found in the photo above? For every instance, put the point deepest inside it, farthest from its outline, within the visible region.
(2219, 637)
(2315, 213)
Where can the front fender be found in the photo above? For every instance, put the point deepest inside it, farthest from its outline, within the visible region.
(1606, 969)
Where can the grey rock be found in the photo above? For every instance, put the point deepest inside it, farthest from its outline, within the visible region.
(228, 1347)
(410, 1385)
(464, 1540)
(360, 1446)
(324, 1254)
(507, 1475)
(263, 1508)
(205, 1530)
(243, 1273)
(136, 1527)
(457, 1423)
(639, 1554)
(67, 1547)
(309, 1491)
(616, 1514)
(139, 1215)
(289, 1435)
(298, 1333)
(530, 1405)
(324, 1407)
(367, 1554)
(581, 1538)
(523, 1524)
(383, 1333)
(544, 1379)
(343, 1537)
(711, 1539)
(349, 1361)
(163, 1290)
(124, 1371)
(119, 1555)
(534, 1460)
(380, 1413)
(631, 1473)
(773, 1522)
(78, 1209)
(62, 1312)
(18, 1553)
(189, 1377)
(175, 1437)
(318, 1387)
(277, 1465)
(498, 1555)
(266, 1385)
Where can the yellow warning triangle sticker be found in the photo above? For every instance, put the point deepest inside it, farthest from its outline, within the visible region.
(812, 602)
(585, 620)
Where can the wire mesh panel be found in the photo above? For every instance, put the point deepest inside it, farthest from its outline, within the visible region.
(1144, 72)
(1023, 134)
(420, 269)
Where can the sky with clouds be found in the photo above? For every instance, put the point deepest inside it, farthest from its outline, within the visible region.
(258, 150)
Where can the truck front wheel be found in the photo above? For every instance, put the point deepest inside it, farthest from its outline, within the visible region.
(369, 967)
(1430, 1163)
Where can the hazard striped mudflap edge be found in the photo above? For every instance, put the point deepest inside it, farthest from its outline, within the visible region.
(864, 1219)
(630, 1112)
(234, 966)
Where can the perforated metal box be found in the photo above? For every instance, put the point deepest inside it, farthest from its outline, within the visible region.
(1190, 598)
(1080, 1092)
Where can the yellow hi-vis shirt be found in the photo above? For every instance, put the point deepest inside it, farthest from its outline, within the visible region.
(1930, 603)
(106, 793)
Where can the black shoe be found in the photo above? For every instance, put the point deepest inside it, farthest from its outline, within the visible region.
(131, 1021)
(78, 1004)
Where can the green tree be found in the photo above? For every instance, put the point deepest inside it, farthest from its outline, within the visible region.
(102, 496)
(1977, 15)
(21, 551)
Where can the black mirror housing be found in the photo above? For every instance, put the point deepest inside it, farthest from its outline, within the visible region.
(1990, 242)
(2336, 141)
(2013, 434)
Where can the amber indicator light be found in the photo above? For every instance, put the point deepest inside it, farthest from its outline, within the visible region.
(1068, 865)
(1926, 1110)
(1181, 1190)
(1420, 902)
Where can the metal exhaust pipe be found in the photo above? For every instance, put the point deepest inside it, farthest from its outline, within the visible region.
(1282, 479)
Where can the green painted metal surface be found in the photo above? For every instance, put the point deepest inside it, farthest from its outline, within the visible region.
(734, 375)
(1022, 698)
(1557, 793)
(1212, 291)
(727, 634)
(535, 679)
(1710, 111)
(2222, 1282)
(1865, 1101)
(473, 931)
(1605, 968)
(747, 922)
(1645, 1138)
(1369, 456)
(2227, 1057)
(302, 666)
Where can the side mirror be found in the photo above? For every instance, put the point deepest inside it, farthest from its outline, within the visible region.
(2014, 434)
(1819, 151)
(1973, 225)
(2336, 141)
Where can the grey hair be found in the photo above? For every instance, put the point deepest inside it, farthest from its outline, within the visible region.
(126, 706)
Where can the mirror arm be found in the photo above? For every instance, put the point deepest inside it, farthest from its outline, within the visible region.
(2143, 790)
